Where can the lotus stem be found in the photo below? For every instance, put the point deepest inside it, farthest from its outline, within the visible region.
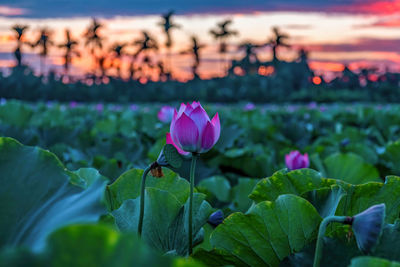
(321, 234)
(190, 224)
(142, 197)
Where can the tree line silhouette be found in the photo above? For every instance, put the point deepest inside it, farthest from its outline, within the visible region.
(145, 60)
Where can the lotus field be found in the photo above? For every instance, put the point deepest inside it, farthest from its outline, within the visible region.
(199, 184)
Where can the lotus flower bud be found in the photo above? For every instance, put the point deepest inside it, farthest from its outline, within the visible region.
(191, 129)
(165, 114)
(216, 218)
(367, 227)
(294, 160)
(169, 141)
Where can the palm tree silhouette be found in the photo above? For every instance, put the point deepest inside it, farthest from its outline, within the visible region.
(250, 60)
(302, 55)
(132, 69)
(70, 51)
(92, 35)
(94, 41)
(146, 44)
(278, 40)
(118, 52)
(195, 51)
(167, 24)
(249, 48)
(221, 34)
(103, 63)
(44, 43)
(19, 31)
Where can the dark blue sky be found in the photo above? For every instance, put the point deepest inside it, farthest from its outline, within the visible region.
(108, 8)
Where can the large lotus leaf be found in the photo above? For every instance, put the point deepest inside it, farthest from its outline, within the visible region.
(165, 219)
(361, 197)
(391, 156)
(268, 233)
(294, 182)
(354, 199)
(340, 250)
(127, 186)
(240, 192)
(389, 242)
(36, 195)
(21, 257)
(97, 245)
(366, 151)
(326, 199)
(218, 185)
(336, 253)
(366, 261)
(251, 160)
(208, 229)
(15, 113)
(217, 257)
(92, 246)
(350, 168)
(107, 126)
(87, 177)
(358, 197)
(228, 137)
(202, 171)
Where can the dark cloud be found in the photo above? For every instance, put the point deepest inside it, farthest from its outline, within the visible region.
(107, 8)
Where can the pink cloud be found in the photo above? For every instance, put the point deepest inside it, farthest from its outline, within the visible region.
(11, 11)
(380, 7)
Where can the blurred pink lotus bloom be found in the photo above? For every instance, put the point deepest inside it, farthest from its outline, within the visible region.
(133, 107)
(165, 114)
(312, 105)
(99, 107)
(249, 106)
(291, 108)
(49, 104)
(294, 160)
(73, 104)
(191, 129)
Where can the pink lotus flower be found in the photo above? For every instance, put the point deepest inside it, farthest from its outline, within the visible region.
(169, 141)
(294, 160)
(191, 129)
(166, 113)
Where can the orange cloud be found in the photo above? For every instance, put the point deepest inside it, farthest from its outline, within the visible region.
(326, 66)
(11, 11)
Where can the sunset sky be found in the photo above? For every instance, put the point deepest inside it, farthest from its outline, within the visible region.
(358, 32)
